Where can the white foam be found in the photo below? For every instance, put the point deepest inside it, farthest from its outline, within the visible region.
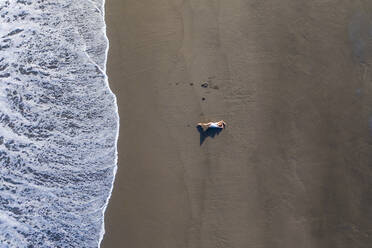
(118, 125)
(58, 124)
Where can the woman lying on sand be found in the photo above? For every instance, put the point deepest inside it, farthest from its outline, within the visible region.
(220, 124)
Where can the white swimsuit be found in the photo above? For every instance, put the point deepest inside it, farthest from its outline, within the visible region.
(214, 125)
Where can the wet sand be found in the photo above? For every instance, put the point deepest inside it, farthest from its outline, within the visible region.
(291, 78)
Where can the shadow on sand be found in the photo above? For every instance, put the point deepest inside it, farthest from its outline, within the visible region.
(210, 132)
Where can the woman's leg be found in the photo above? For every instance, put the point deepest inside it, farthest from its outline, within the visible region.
(203, 125)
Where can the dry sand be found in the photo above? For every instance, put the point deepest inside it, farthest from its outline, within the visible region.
(291, 78)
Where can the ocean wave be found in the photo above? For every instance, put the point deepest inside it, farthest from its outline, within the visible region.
(58, 123)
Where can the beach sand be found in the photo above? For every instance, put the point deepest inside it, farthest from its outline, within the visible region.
(292, 80)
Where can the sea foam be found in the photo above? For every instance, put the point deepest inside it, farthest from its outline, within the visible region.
(58, 123)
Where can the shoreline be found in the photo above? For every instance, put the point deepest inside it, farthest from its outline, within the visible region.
(103, 231)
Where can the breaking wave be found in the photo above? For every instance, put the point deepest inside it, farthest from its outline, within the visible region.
(58, 123)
